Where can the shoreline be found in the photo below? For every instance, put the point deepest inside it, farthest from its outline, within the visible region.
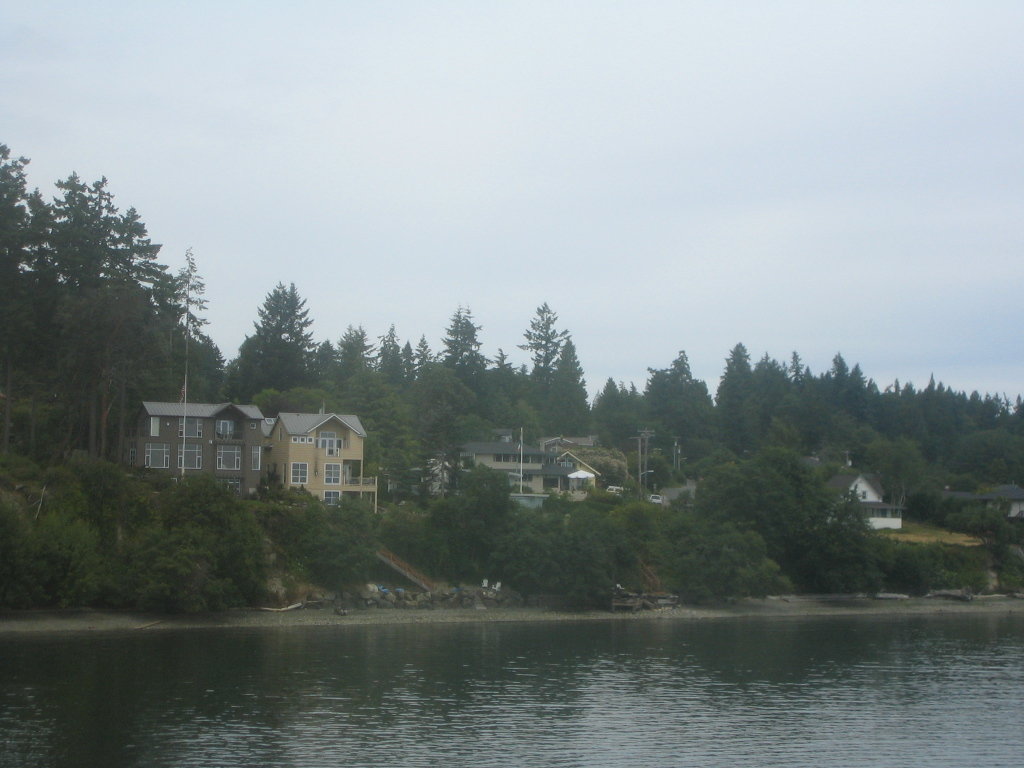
(91, 621)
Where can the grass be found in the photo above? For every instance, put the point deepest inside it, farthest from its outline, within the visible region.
(925, 533)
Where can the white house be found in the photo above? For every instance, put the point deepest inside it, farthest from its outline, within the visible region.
(868, 492)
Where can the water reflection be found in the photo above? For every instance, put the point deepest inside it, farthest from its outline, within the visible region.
(795, 692)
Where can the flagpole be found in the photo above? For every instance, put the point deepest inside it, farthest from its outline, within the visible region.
(520, 460)
(184, 388)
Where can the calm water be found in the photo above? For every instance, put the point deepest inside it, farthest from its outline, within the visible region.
(944, 691)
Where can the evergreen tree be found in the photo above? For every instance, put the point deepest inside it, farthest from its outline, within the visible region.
(462, 350)
(422, 357)
(15, 294)
(544, 343)
(568, 412)
(324, 369)
(355, 353)
(389, 358)
(680, 406)
(618, 413)
(277, 355)
(408, 363)
(732, 402)
(110, 292)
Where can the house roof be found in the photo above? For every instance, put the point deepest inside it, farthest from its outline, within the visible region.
(999, 493)
(579, 462)
(304, 423)
(1009, 492)
(844, 481)
(501, 447)
(586, 441)
(198, 410)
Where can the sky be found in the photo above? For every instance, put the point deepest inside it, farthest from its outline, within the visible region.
(818, 177)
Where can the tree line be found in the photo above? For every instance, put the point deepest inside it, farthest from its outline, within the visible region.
(91, 324)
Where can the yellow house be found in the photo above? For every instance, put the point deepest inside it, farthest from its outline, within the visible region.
(321, 452)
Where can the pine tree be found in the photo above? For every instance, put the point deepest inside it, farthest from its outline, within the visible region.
(15, 328)
(568, 412)
(544, 343)
(679, 405)
(462, 350)
(732, 402)
(423, 356)
(277, 355)
(355, 353)
(389, 359)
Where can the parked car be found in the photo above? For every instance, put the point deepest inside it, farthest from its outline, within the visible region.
(656, 498)
(616, 489)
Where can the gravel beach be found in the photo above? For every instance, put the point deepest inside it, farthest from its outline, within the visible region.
(93, 621)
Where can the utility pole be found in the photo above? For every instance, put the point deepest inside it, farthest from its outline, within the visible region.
(642, 454)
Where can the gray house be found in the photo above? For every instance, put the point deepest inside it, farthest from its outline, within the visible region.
(222, 439)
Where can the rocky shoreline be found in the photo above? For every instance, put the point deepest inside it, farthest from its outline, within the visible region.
(97, 621)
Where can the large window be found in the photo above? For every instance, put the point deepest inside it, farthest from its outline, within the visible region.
(255, 457)
(190, 427)
(226, 429)
(158, 455)
(330, 443)
(190, 456)
(332, 497)
(332, 474)
(300, 473)
(229, 457)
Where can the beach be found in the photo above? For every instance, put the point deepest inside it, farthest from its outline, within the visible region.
(96, 621)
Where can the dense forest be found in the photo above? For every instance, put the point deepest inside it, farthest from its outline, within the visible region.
(91, 324)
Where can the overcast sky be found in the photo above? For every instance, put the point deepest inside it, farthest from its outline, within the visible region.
(810, 176)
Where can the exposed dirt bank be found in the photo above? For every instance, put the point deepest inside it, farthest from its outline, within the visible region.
(20, 622)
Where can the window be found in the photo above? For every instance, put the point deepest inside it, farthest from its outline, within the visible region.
(329, 442)
(190, 427)
(233, 484)
(158, 455)
(332, 474)
(332, 497)
(154, 426)
(225, 429)
(302, 439)
(300, 473)
(132, 454)
(252, 425)
(256, 452)
(229, 457)
(190, 456)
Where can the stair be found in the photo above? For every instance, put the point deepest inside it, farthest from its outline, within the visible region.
(396, 563)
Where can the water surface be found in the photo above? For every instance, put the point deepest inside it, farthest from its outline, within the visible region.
(865, 691)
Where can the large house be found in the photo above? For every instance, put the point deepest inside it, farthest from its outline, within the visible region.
(321, 452)
(868, 492)
(542, 470)
(222, 439)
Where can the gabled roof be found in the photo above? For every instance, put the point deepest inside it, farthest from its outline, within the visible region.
(304, 423)
(844, 481)
(198, 410)
(579, 462)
